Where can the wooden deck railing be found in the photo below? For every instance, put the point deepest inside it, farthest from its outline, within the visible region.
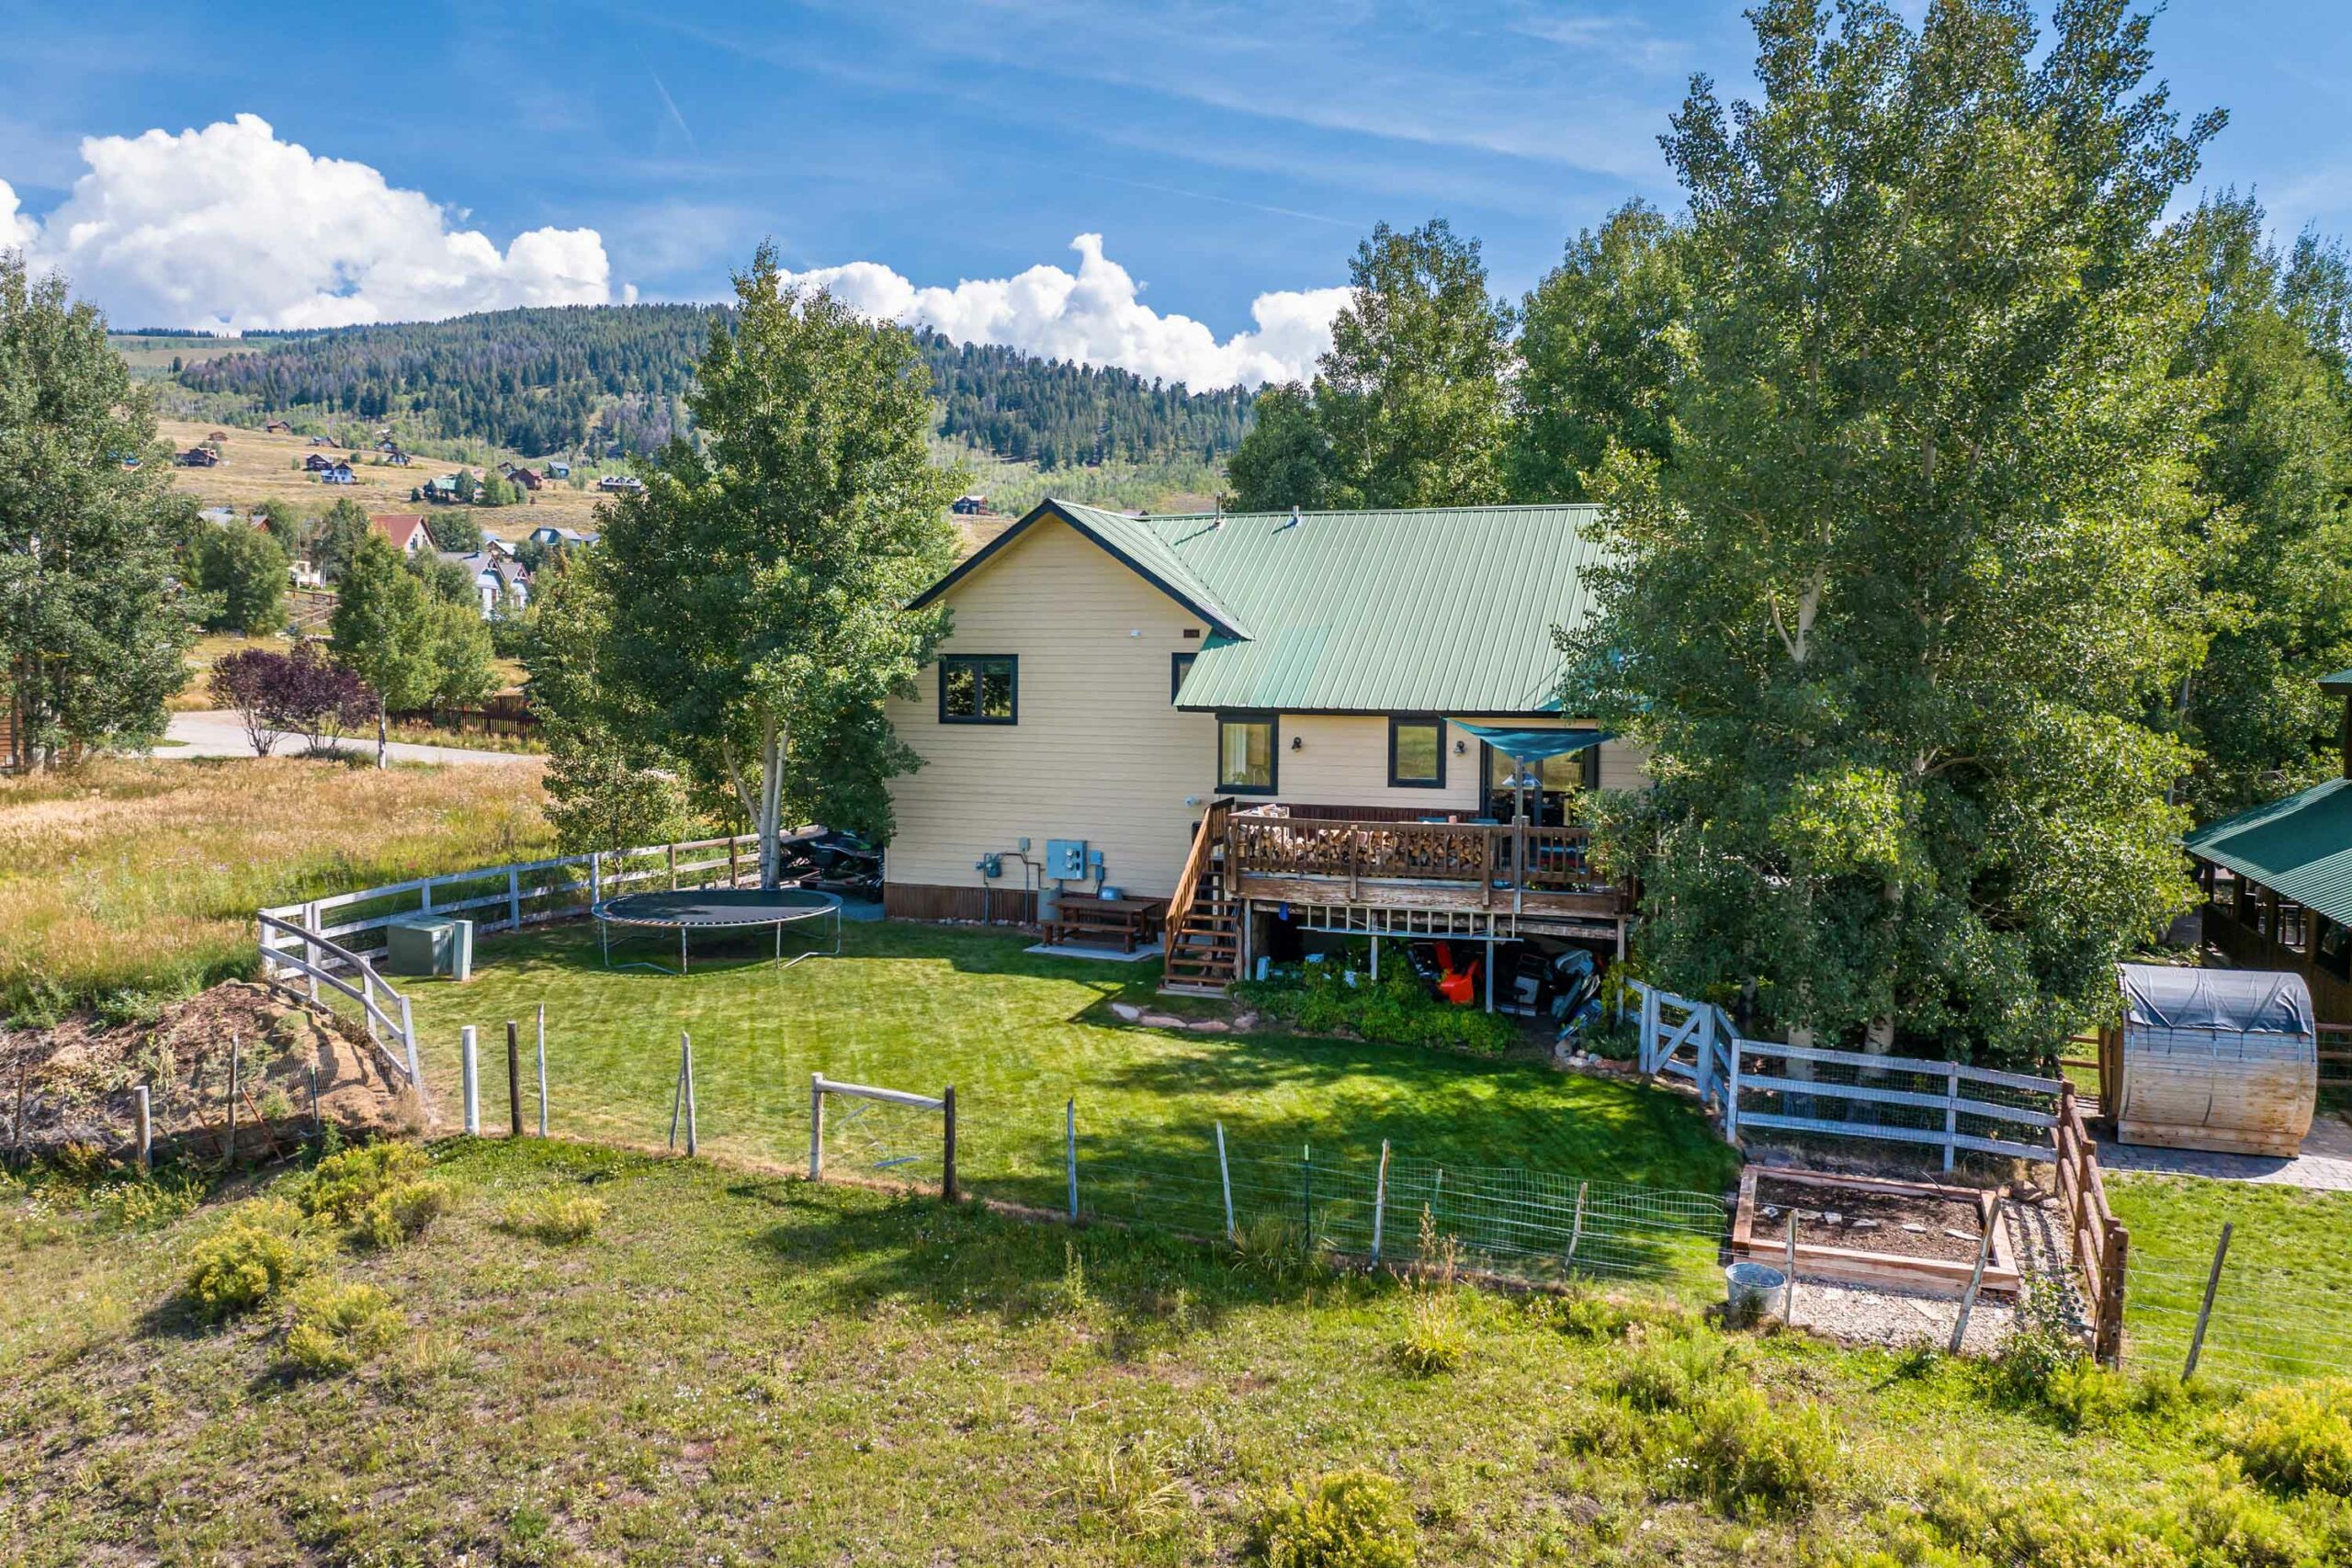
(1188, 883)
(2101, 1243)
(1487, 855)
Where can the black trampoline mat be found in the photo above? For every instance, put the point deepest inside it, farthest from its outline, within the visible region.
(719, 906)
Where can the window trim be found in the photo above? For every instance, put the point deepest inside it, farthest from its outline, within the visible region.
(1396, 720)
(1013, 666)
(1180, 664)
(1274, 723)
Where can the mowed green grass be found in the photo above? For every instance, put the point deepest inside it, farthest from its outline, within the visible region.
(743, 1369)
(2284, 1305)
(918, 1008)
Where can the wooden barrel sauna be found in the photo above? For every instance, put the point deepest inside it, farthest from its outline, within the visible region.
(2224, 1060)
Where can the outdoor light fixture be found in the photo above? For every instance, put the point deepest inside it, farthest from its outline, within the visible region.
(1297, 743)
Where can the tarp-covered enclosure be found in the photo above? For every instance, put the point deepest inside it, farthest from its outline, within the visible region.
(2219, 1059)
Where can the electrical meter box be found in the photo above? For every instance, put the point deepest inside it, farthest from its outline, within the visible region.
(1065, 858)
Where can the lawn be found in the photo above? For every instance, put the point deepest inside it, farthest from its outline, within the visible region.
(2284, 1307)
(129, 876)
(916, 1007)
(741, 1368)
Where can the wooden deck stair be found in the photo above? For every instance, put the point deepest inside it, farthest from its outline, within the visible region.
(1203, 923)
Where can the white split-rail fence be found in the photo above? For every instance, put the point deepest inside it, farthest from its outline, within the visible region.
(1698, 1042)
(334, 941)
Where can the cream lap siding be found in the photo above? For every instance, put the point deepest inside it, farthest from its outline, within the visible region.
(1097, 755)
(1342, 759)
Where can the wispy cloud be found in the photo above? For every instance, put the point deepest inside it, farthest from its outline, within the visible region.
(675, 118)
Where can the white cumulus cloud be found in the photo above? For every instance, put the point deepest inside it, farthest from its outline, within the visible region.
(229, 228)
(1096, 318)
(17, 228)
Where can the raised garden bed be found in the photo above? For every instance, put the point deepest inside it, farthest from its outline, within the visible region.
(1904, 1235)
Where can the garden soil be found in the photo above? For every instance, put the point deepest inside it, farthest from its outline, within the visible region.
(72, 1084)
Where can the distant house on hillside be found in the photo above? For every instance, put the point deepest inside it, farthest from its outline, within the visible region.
(396, 458)
(337, 474)
(557, 471)
(216, 436)
(198, 457)
(404, 529)
(621, 482)
(969, 505)
(441, 491)
(302, 574)
(493, 544)
(218, 517)
(277, 427)
(317, 462)
(527, 478)
(320, 441)
(549, 534)
(498, 583)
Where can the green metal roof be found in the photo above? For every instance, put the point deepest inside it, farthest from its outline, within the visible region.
(1438, 610)
(2340, 682)
(2300, 847)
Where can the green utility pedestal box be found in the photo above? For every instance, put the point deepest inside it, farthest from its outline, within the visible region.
(429, 945)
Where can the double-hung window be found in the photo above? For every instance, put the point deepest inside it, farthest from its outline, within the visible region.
(1246, 752)
(978, 688)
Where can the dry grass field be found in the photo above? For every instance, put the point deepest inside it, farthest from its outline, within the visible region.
(259, 467)
(130, 877)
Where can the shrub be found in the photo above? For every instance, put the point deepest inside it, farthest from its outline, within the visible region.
(1326, 999)
(337, 1327)
(1353, 1519)
(2083, 1394)
(1737, 1451)
(344, 1184)
(1586, 1314)
(1671, 1375)
(2297, 1437)
(1273, 1247)
(561, 1218)
(238, 1268)
(401, 1213)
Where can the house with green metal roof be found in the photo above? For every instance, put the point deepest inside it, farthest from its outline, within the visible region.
(1157, 705)
(2277, 882)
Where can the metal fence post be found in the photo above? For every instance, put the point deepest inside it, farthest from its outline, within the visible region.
(687, 1070)
(1069, 1138)
(1380, 1199)
(947, 1160)
(1306, 1186)
(816, 1126)
(468, 1075)
(514, 1079)
(1730, 1086)
(543, 1069)
(2205, 1308)
(146, 1129)
(1225, 1180)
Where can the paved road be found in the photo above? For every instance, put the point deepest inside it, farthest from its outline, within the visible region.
(220, 734)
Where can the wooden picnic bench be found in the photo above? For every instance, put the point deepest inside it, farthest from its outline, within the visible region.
(1129, 919)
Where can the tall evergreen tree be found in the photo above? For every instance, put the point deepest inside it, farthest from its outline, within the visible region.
(93, 629)
(1889, 622)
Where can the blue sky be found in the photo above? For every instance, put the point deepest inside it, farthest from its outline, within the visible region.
(1223, 151)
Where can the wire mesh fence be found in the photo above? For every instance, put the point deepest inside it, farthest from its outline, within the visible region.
(2268, 1320)
(1538, 1227)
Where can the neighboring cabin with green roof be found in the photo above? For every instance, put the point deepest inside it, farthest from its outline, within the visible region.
(2277, 882)
(1107, 677)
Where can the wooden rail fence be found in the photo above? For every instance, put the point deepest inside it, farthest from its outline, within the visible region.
(513, 896)
(1769, 1084)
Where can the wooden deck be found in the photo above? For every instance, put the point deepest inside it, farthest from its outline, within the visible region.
(1504, 876)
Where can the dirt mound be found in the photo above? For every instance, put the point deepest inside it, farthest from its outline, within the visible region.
(73, 1084)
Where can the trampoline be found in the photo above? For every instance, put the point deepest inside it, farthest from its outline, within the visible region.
(713, 910)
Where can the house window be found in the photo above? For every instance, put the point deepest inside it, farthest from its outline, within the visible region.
(1416, 753)
(2334, 952)
(1179, 666)
(1244, 752)
(978, 688)
(1569, 771)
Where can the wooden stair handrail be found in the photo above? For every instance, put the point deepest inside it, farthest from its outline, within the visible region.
(1196, 862)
